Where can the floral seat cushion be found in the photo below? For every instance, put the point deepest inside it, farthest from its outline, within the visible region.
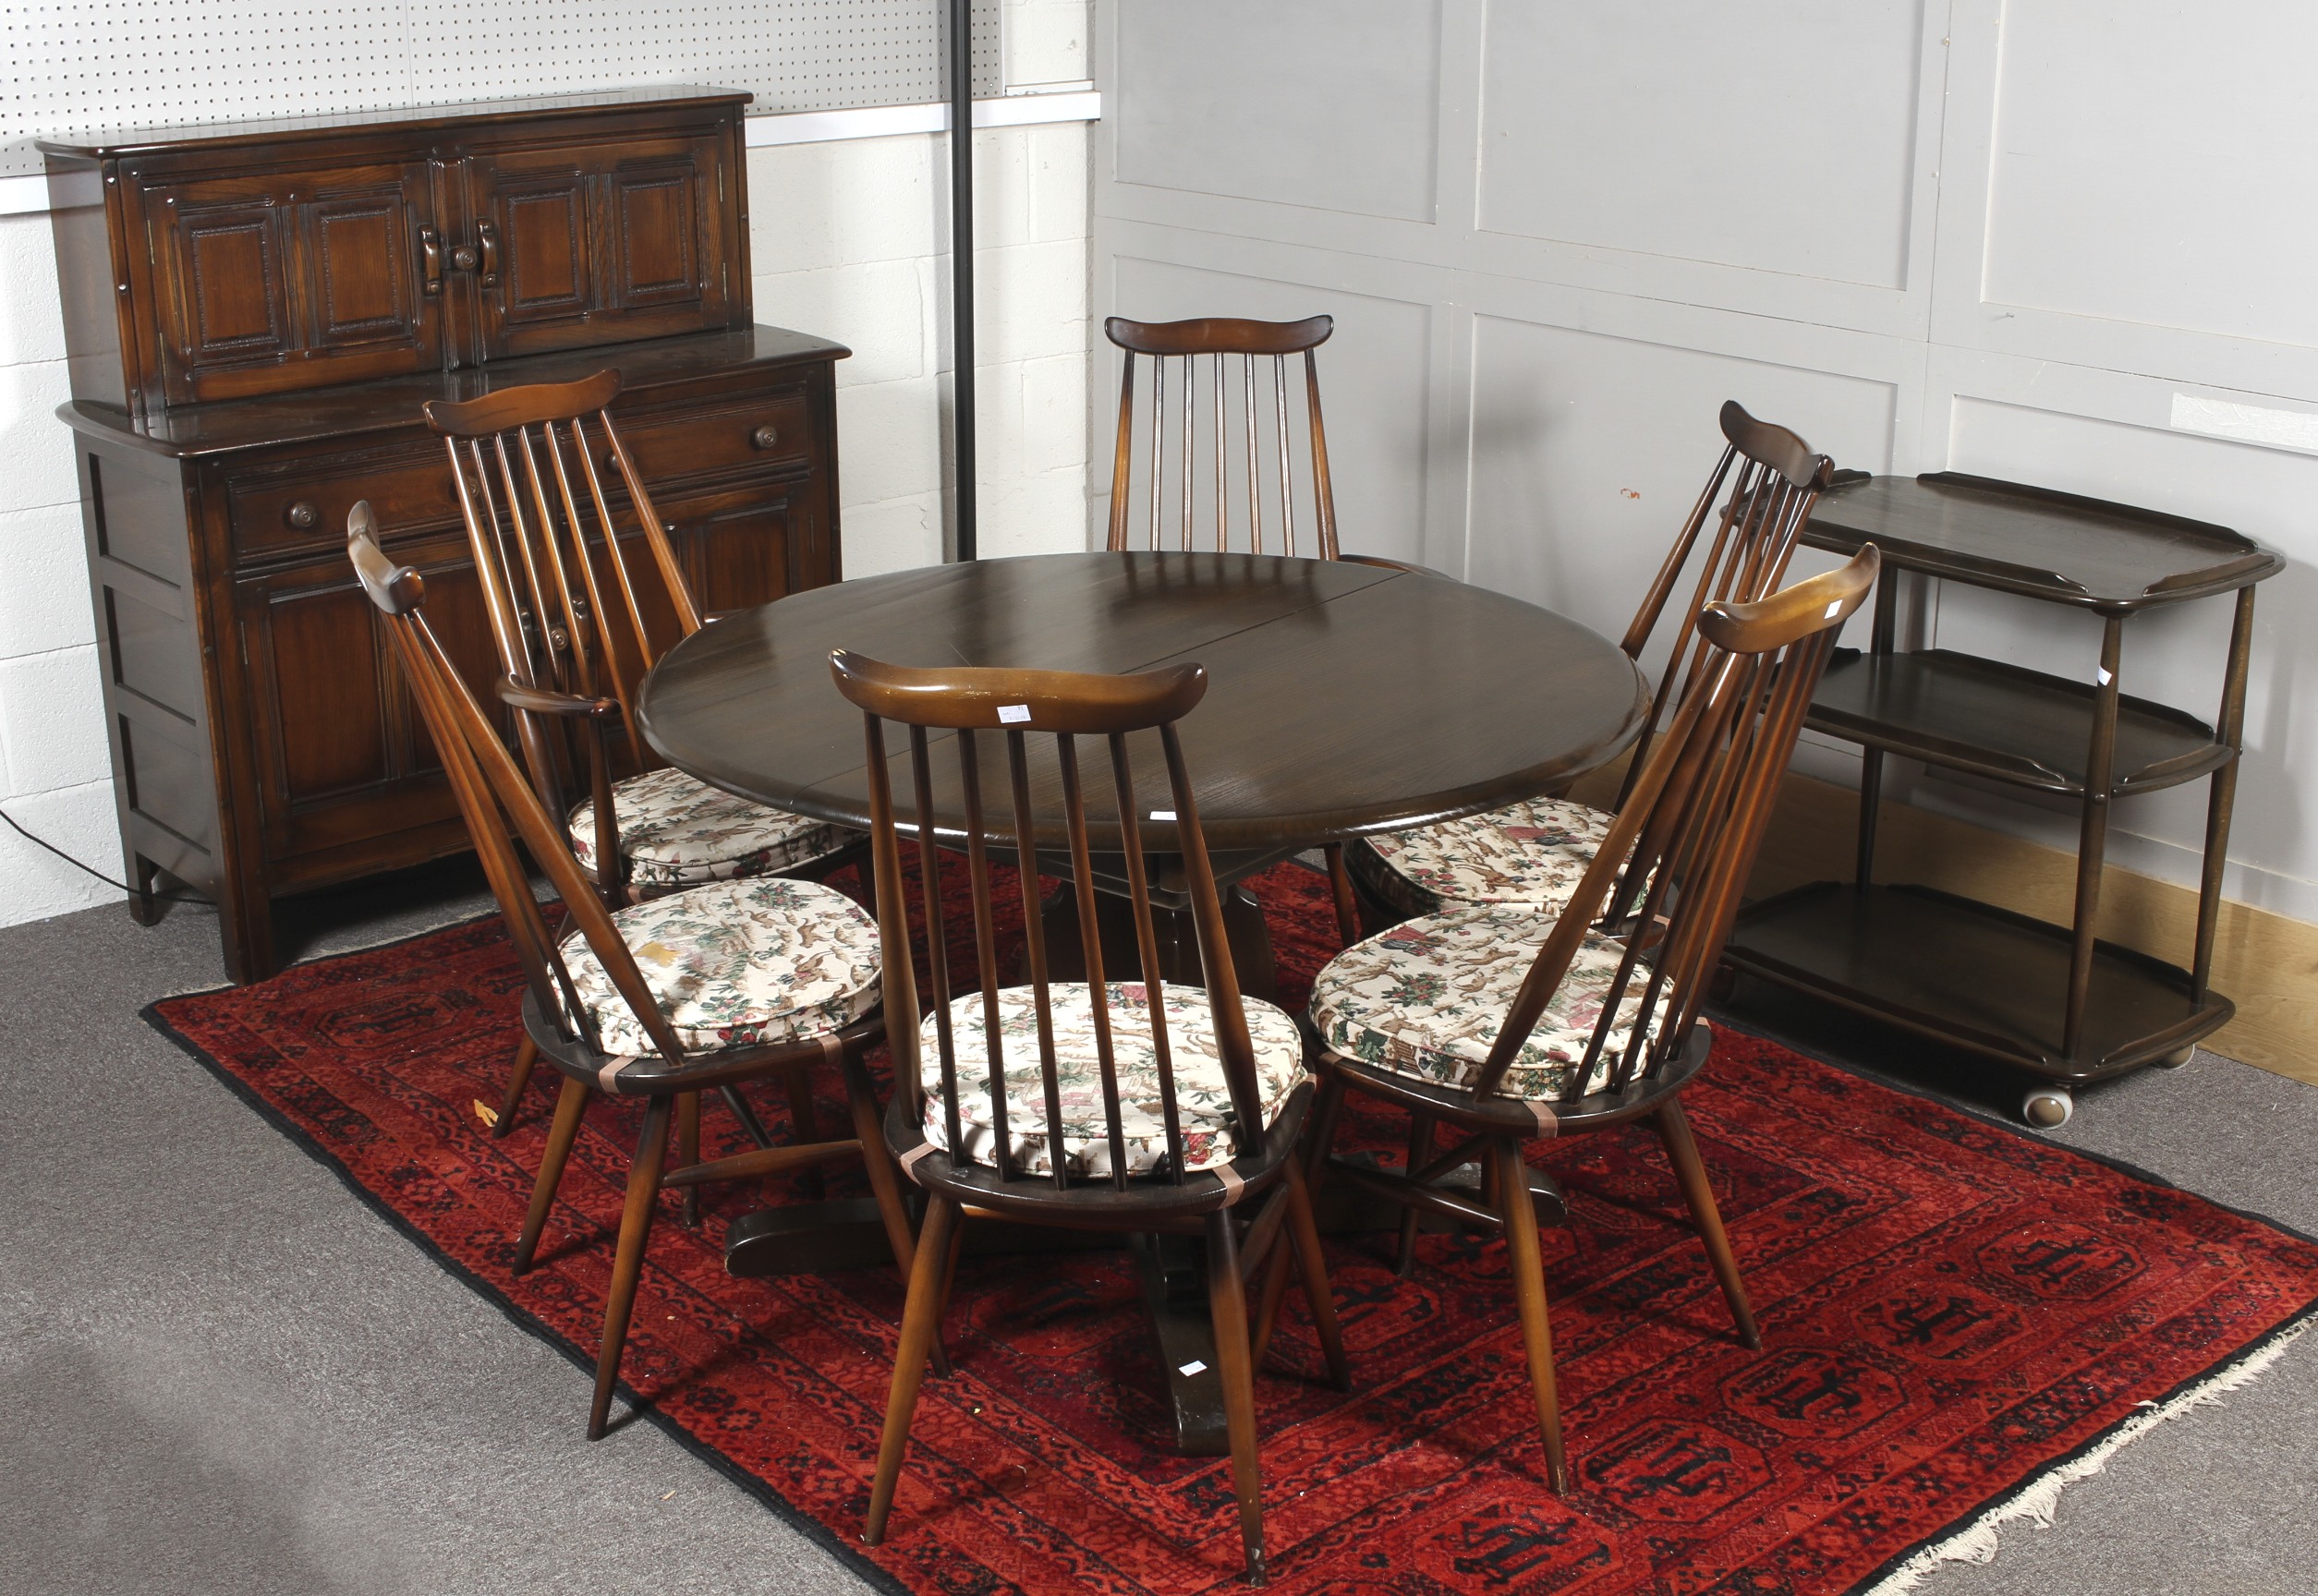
(736, 965)
(1203, 1103)
(1427, 998)
(1534, 851)
(679, 831)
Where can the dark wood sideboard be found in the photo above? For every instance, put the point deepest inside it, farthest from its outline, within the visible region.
(254, 314)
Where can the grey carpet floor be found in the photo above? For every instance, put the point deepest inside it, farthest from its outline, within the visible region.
(221, 1372)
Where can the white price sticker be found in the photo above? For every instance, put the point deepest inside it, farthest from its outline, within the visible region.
(2100, 676)
(1831, 610)
(1194, 1367)
(1012, 714)
(1162, 813)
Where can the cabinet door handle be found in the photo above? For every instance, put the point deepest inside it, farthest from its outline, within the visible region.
(487, 236)
(305, 515)
(765, 436)
(430, 262)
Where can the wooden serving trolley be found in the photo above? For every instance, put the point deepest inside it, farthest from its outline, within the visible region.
(2054, 1000)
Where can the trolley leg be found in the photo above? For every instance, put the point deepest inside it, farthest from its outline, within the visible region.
(2093, 835)
(2229, 731)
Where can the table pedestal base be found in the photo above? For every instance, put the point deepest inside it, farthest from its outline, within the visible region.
(1244, 928)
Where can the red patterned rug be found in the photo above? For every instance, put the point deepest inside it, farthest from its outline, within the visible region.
(1954, 1315)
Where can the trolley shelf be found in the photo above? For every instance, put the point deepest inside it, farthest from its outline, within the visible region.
(2001, 721)
(1971, 974)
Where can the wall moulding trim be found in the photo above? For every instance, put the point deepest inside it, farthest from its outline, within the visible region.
(28, 195)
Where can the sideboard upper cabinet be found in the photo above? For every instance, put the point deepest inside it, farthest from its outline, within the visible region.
(255, 314)
(268, 258)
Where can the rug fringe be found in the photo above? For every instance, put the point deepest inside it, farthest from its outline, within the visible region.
(1979, 1541)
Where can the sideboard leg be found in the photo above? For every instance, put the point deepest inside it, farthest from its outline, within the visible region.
(144, 904)
(245, 927)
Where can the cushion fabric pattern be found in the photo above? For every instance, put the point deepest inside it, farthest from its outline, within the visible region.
(678, 831)
(1427, 998)
(736, 965)
(1203, 1103)
(1534, 851)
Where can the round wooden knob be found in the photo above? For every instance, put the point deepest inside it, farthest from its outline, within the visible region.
(765, 436)
(464, 258)
(305, 515)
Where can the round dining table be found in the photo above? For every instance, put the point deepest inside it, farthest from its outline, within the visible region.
(1343, 698)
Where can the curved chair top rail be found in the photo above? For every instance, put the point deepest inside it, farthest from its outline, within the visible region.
(1793, 614)
(396, 589)
(1776, 447)
(969, 697)
(1218, 336)
(524, 406)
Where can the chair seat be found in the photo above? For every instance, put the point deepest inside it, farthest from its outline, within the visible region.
(736, 965)
(1203, 1103)
(678, 831)
(1427, 998)
(1534, 851)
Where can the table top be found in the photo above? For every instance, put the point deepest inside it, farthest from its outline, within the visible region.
(2059, 547)
(1342, 698)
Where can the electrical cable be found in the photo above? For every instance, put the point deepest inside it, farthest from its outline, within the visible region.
(184, 897)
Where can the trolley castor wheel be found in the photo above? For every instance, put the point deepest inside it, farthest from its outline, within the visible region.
(2048, 1107)
(2175, 1059)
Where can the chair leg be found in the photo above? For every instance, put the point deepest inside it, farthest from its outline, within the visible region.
(570, 1105)
(1682, 1151)
(877, 1158)
(688, 1154)
(920, 1324)
(627, 1265)
(1420, 1151)
(861, 1101)
(1305, 1234)
(1320, 1132)
(527, 1059)
(1227, 1306)
(1347, 906)
(1529, 1293)
(804, 1126)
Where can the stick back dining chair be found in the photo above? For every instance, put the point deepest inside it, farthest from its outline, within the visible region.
(585, 591)
(1537, 850)
(700, 990)
(1239, 497)
(1120, 1105)
(1504, 1021)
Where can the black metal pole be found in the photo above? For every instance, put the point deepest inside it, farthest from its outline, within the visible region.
(962, 264)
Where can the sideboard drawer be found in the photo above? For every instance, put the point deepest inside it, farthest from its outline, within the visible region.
(669, 446)
(301, 508)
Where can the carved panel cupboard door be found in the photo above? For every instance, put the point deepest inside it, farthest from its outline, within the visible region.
(276, 280)
(589, 242)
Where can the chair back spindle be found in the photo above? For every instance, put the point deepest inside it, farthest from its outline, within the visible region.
(1686, 839)
(558, 554)
(1038, 721)
(1774, 481)
(1216, 355)
(501, 809)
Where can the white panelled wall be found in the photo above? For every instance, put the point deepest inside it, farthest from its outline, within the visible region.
(848, 240)
(2034, 242)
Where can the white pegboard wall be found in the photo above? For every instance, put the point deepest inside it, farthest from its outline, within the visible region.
(80, 66)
